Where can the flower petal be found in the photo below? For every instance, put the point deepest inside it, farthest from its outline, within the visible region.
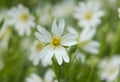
(92, 47)
(61, 27)
(43, 35)
(65, 55)
(58, 31)
(54, 27)
(49, 76)
(87, 34)
(49, 55)
(43, 52)
(61, 53)
(68, 40)
(58, 55)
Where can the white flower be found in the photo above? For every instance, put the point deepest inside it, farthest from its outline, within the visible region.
(85, 40)
(34, 78)
(34, 53)
(109, 68)
(88, 14)
(49, 76)
(64, 9)
(22, 20)
(56, 42)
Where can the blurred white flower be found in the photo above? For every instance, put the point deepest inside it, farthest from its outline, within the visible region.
(85, 40)
(109, 68)
(88, 14)
(44, 14)
(56, 42)
(21, 18)
(49, 76)
(119, 12)
(34, 53)
(34, 78)
(64, 9)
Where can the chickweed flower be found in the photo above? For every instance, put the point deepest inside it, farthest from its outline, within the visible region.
(85, 41)
(109, 68)
(88, 14)
(56, 42)
(21, 18)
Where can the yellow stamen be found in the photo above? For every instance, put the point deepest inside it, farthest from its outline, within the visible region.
(23, 17)
(39, 47)
(111, 71)
(88, 15)
(56, 41)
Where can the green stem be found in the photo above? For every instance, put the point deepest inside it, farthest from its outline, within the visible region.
(90, 75)
(58, 69)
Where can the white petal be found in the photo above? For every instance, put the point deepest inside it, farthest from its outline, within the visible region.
(54, 27)
(95, 43)
(61, 27)
(34, 78)
(87, 34)
(99, 14)
(65, 55)
(43, 52)
(58, 55)
(92, 47)
(49, 55)
(68, 40)
(43, 35)
(58, 31)
(49, 76)
(61, 53)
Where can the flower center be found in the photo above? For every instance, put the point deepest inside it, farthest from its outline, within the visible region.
(39, 47)
(23, 17)
(111, 71)
(88, 15)
(56, 41)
